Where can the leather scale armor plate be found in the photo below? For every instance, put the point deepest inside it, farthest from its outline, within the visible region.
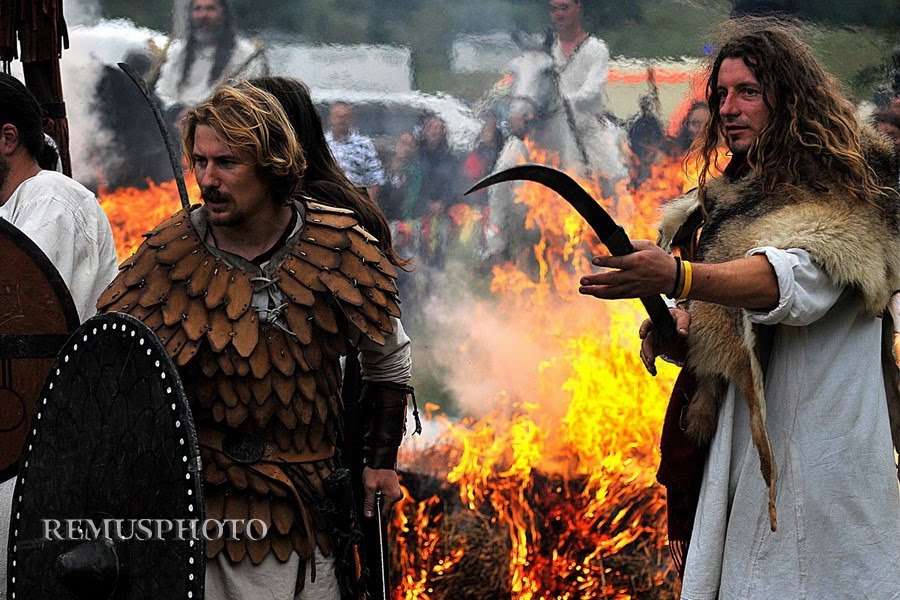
(280, 383)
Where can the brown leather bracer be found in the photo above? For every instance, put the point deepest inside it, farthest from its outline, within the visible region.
(241, 374)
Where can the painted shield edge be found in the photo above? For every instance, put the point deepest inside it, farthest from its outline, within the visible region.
(183, 413)
(47, 267)
(63, 297)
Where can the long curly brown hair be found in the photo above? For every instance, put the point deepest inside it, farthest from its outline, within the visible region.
(812, 129)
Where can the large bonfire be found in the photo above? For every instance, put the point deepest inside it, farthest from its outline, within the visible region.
(549, 492)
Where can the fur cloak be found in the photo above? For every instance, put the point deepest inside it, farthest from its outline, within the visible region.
(856, 243)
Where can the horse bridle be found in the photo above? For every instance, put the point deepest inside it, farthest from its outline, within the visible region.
(552, 108)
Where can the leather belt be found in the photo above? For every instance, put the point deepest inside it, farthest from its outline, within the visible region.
(249, 448)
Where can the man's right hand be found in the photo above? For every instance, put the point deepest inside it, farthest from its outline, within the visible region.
(651, 347)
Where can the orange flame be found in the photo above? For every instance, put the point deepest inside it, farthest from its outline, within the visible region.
(662, 75)
(133, 211)
(566, 471)
(561, 471)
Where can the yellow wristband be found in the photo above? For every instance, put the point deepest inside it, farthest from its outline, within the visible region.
(688, 270)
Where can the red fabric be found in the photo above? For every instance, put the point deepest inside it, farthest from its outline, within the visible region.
(680, 469)
(474, 166)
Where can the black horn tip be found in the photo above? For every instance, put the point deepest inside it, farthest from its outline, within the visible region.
(478, 186)
(517, 173)
(486, 182)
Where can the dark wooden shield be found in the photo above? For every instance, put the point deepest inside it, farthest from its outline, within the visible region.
(37, 315)
(112, 444)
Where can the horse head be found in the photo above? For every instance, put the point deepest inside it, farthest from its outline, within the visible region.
(534, 87)
(538, 111)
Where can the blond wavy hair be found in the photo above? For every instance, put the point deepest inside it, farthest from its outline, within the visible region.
(812, 129)
(252, 122)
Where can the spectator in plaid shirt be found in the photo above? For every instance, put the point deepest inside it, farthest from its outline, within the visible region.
(354, 153)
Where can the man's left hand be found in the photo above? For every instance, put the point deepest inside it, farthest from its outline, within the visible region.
(648, 271)
(388, 483)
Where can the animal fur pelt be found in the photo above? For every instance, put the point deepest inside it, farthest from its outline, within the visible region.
(856, 243)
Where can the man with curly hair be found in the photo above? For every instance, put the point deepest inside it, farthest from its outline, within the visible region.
(782, 268)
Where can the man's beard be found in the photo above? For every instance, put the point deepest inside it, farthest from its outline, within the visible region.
(215, 196)
(206, 36)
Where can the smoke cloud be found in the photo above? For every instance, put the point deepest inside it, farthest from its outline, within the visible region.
(81, 12)
(492, 355)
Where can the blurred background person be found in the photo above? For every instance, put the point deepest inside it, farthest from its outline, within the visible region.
(646, 137)
(354, 152)
(690, 128)
(401, 195)
(582, 63)
(440, 169)
(212, 53)
(481, 159)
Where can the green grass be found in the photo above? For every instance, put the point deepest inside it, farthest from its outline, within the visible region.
(670, 29)
(856, 57)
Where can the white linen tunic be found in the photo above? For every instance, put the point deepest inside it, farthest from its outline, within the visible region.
(582, 82)
(246, 62)
(67, 223)
(582, 76)
(837, 494)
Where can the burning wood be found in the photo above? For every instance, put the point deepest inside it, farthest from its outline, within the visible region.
(445, 551)
(552, 493)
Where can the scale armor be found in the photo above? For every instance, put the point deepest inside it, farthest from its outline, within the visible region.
(278, 379)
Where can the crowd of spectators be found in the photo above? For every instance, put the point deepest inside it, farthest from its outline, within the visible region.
(416, 177)
(418, 174)
(418, 181)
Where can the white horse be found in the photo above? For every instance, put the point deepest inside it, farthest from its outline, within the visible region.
(586, 143)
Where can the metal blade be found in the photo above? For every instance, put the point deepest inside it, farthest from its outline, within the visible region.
(163, 129)
(384, 580)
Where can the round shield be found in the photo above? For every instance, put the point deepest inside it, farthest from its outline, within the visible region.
(108, 502)
(37, 315)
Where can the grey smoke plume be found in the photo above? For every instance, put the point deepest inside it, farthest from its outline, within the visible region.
(94, 48)
(81, 12)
